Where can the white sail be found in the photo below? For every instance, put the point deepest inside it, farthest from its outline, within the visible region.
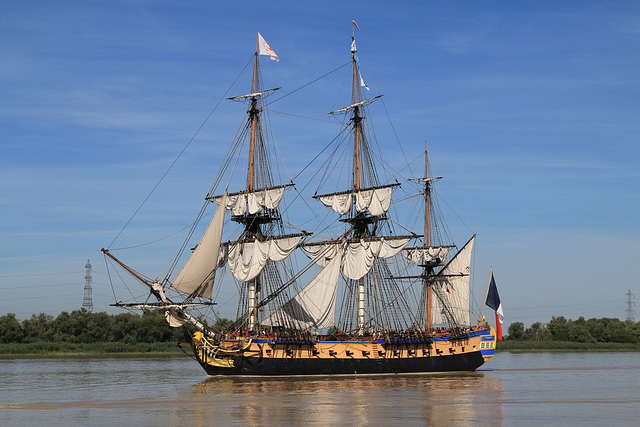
(439, 300)
(357, 257)
(237, 204)
(173, 319)
(376, 200)
(247, 259)
(340, 203)
(357, 260)
(272, 197)
(314, 306)
(425, 254)
(322, 254)
(253, 201)
(201, 265)
(451, 288)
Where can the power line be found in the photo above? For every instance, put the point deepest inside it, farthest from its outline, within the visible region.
(37, 274)
(3, 276)
(49, 285)
(563, 305)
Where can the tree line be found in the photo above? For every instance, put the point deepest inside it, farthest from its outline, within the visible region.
(605, 330)
(84, 327)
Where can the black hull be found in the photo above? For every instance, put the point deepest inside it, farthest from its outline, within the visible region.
(314, 366)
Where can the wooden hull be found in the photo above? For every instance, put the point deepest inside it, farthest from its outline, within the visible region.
(256, 356)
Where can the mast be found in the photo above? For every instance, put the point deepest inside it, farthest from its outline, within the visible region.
(427, 207)
(357, 120)
(372, 298)
(254, 284)
(432, 252)
(427, 232)
(356, 117)
(262, 240)
(253, 113)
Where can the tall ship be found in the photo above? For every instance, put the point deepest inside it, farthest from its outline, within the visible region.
(361, 294)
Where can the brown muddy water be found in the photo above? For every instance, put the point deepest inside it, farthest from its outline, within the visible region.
(511, 389)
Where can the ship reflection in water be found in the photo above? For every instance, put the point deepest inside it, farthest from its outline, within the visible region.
(433, 399)
(539, 389)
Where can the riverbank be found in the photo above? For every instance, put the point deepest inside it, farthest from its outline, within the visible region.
(63, 349)
(528, 346)
(116, 349)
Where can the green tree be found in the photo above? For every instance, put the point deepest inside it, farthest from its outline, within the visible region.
(98, 328)
(516, 331)
(10, 329)
(222, 324)
(578, 332)
(537, 332)
(38, 328)
(62, 327)
(634, 328)
(125, 328)
(598, 330)
(154, 327)
(558, 328)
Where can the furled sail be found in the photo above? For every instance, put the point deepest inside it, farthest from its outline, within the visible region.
(451, 288)
(357, 257)
(253, 201)
(315, 305)
(173, 319)
(340, 203)
(425, 254)
(323, 253)
(199, 271)
(376, 200)
(248, 258)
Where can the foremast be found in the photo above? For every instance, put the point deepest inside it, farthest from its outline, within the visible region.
(262, 239)
(252, 227)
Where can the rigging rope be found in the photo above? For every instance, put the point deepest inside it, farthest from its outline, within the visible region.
(177, 158)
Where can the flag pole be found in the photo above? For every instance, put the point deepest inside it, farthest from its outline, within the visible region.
(485, 294)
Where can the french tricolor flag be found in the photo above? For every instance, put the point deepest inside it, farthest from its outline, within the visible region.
(493, 301)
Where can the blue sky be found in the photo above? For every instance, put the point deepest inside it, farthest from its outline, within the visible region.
(531, 111)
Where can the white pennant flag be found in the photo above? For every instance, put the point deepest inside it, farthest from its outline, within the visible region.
(363, 84)
(265, 49)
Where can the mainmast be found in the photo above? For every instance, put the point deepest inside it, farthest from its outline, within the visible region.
(360, 226)
(427, 233)
(372, 298)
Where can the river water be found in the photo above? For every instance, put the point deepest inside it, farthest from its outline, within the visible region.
(512, 389)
